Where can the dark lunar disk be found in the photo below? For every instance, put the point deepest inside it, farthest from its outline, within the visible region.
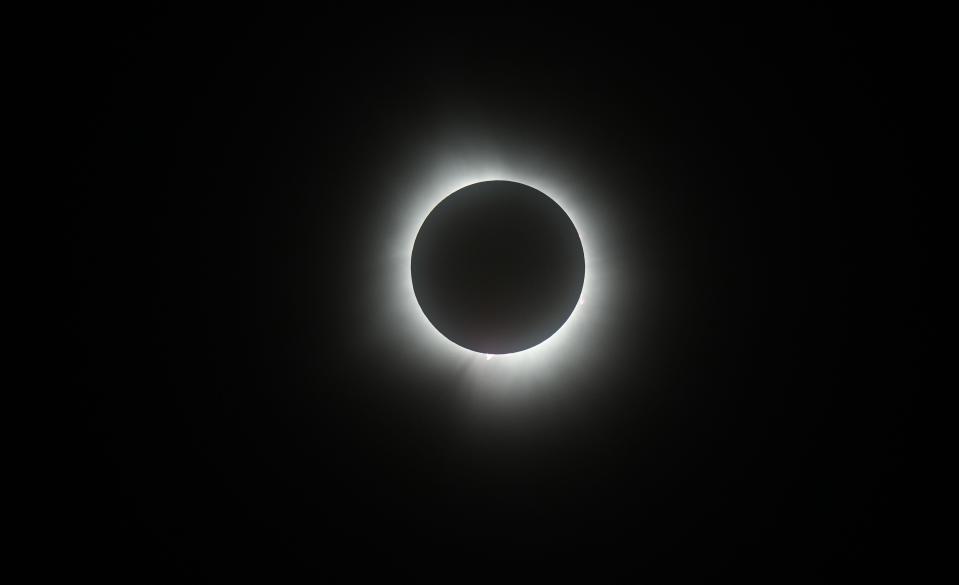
(498, 267)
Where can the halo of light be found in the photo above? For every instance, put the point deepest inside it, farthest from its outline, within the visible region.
(574, 348)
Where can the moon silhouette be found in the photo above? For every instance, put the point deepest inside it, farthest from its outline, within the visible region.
(498, 267)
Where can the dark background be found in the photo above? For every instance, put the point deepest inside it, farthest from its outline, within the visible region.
(225, 170)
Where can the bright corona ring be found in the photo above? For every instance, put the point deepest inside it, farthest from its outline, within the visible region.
(498, 271)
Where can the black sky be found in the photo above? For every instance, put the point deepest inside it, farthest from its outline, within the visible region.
(227, 170)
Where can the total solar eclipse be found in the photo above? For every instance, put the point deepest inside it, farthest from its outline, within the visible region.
(497, 267)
